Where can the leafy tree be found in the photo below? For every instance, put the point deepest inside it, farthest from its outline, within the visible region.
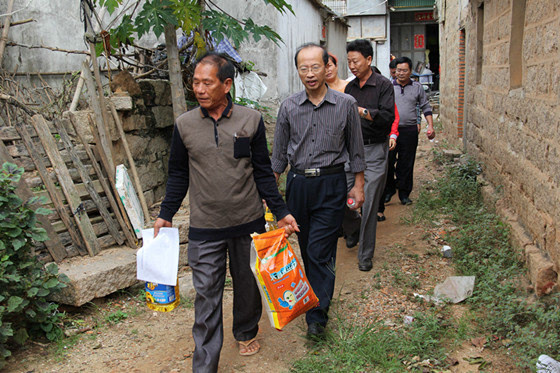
(193, 17)
(190, 16)
(25, 283)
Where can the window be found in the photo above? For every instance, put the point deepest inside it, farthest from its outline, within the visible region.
(516, 44)
(479, 42)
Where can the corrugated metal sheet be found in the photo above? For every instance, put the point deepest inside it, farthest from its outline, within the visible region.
(400, 4)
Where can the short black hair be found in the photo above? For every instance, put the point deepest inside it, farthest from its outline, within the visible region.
(226, 70)
(360, 45)
(393, 64)
(404, 60)
(309, 45)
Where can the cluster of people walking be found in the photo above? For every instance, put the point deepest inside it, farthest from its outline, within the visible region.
(340, 139)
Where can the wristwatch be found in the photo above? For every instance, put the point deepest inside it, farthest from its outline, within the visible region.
(365, 113)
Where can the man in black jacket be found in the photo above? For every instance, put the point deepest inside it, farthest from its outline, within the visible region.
(376, 104)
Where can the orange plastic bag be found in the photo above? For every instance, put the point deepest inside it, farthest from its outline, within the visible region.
(283, 285)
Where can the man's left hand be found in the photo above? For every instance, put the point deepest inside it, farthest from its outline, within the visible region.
(289, 224)
(357, 194)
(431, 133)
(392, 144)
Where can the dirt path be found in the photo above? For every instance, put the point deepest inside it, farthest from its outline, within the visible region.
(148, 341)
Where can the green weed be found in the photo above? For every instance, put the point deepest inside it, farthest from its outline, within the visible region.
(481, 248)
(354, 347)
(187, 302)
(116, 317)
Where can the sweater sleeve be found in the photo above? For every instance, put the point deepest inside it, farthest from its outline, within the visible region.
(395, 125)
(263, 174)
(424, 103)
(178, 178)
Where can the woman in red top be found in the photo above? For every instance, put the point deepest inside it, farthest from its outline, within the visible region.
(392, 144)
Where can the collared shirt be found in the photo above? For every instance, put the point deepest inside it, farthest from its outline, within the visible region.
(309, 136)
(407, 98)
(377, 96)
(225, 165)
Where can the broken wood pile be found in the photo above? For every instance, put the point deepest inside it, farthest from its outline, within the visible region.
(76, 178)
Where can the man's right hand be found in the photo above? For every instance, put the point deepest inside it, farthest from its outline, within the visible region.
(161, 223)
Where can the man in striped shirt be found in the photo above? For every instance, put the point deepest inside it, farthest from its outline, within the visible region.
(317, 132)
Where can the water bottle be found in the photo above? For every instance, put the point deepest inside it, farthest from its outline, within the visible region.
(351, 203)
(271, 223)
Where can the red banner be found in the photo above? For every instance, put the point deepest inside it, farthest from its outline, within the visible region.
(423, 16)
(419, 41)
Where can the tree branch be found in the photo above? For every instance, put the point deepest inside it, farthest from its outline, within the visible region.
(12, 101)
(22, 22)
(54, 49)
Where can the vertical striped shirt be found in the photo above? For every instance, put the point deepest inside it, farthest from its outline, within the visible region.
(309, 136)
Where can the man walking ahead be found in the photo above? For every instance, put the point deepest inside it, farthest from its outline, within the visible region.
(317, 131)
(219, 151)
(408, 95)
(376, 103)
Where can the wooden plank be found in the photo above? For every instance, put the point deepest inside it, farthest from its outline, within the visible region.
(82, 192)
(9, 133)
(112, 181)
(53, 244)
(88, 183)
(35, 181)
(100, 111)
(129, 234)
(18, 150)
(135, 177)
(67, 185)
(51, 188)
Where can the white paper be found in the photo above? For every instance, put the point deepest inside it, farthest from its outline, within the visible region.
(158, 259)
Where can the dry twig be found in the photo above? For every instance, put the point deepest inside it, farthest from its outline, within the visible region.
(12, 101)
(54, 49)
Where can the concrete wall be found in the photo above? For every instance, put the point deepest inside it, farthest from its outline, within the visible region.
(277, 61)
(56, 24)
(511, 128)
(336, 43)
(375, 28)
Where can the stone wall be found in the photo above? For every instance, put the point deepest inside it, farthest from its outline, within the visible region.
(511, 110)
(148, 124)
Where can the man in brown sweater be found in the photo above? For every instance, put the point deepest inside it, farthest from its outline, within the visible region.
(219, 150)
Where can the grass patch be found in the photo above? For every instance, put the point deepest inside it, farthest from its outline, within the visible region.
(353, 347)
(481, 248)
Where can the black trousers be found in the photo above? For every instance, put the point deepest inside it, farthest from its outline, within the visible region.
(318, 203)
(401, 163)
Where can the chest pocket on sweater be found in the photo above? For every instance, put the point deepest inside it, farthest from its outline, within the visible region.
(241, 147)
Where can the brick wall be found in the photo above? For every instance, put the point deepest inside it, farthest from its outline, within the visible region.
(512, 130)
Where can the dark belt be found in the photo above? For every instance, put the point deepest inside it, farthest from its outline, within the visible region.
(371, 141)
(314, 172)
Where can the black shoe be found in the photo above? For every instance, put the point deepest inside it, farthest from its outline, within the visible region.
(381, 217)
(365, 266)
(388, 197)
(315, 331)
(352, 240)
(406, 201)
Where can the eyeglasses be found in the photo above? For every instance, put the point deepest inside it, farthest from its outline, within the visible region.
(305, 69)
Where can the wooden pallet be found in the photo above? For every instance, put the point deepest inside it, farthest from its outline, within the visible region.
(86, 215)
